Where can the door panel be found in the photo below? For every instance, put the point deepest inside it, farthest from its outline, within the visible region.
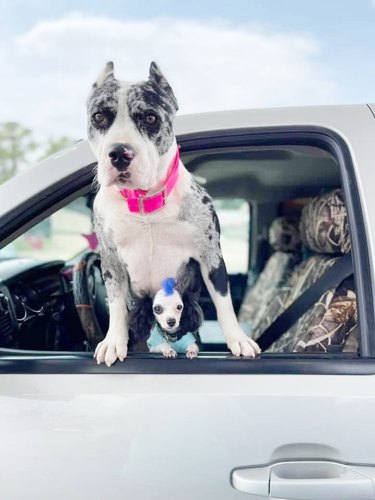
(172, 436)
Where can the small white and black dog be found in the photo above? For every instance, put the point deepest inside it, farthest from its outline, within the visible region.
(151, 218)
(176, 322)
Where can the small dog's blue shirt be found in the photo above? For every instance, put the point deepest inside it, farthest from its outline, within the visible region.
(180, 346)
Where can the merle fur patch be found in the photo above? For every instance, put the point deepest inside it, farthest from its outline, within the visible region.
(103, 99)
(198, 209)
(145, 98)
(219, 277)
(107, 275)
(113, 272)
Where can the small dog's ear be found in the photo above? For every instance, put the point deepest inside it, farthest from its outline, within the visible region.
(107, 72)
(192, 314)
(141, 318)
(157, 77)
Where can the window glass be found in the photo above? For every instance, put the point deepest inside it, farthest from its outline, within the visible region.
(44, 306)
(234, 217)
(62, 235)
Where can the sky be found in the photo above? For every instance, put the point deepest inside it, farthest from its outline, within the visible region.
(216, 54)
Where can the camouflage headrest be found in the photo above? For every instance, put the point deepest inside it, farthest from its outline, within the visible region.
(324, 224)
(284, 234)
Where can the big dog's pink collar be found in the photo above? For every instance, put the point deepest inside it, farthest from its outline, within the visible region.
(142, 203)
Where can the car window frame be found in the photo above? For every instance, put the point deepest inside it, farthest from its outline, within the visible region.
(215, 363)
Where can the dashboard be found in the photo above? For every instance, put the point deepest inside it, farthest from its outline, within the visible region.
(36, 306)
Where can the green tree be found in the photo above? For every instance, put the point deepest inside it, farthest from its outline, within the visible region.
(55, 144)
(16, 143)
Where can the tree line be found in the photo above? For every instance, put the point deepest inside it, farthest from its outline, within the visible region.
(18, 148)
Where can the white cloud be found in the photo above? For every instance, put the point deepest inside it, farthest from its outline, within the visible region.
(211, 66)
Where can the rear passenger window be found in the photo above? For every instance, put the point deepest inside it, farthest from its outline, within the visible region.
(307, 234)
(234, 217)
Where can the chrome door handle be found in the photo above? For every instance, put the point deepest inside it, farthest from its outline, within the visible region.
(307, 480)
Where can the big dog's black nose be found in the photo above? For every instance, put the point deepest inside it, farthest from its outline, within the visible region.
(171, 322)
(121, 155)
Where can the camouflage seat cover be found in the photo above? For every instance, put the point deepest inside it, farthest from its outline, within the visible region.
(285, 239)
(327, 325)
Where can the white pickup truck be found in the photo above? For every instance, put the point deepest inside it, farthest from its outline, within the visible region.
(293, 423)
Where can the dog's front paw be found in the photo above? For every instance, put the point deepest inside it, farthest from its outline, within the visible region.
(110, 349)
(192, 351)
(242, 345)
(168, 352)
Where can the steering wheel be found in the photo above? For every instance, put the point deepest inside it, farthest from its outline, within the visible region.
(90, 298)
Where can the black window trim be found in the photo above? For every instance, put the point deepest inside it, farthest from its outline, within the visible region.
(215, 363)
(13, 361)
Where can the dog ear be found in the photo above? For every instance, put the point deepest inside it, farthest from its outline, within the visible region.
(107, 72)
(157, 77)
(192, 314)
(190, 280)
(141, 318)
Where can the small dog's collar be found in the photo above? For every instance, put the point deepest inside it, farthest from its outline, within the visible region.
(170, 337)
(142, 203)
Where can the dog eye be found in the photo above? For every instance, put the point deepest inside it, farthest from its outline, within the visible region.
(99, 118)
(158, 309)
(151, 119)
(179, 307)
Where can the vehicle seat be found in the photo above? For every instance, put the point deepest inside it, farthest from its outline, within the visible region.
(284, 238)
(325, 326)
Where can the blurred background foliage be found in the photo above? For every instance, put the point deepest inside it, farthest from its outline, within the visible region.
(19, 149)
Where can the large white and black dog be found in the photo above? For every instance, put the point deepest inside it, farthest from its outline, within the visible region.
(151, 218)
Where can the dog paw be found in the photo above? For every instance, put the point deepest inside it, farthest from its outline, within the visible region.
(111, 349)
(242, 345)
(168, 352)
(192, 351)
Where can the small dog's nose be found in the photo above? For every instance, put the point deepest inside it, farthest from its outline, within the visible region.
(121, 155)
(171, 322)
